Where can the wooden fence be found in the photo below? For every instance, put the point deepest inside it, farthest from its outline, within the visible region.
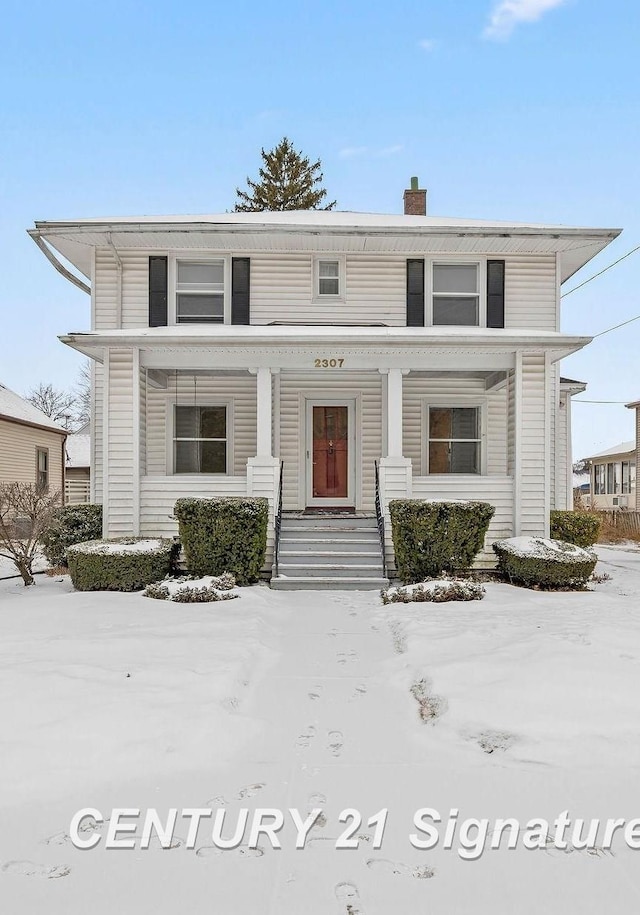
(622, 522)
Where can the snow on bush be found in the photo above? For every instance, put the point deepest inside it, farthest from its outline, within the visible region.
(194, 590)
(438, 591)
(543, 563)
(126, 564)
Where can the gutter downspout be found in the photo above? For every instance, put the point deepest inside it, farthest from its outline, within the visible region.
(51, 257)
(119, 287)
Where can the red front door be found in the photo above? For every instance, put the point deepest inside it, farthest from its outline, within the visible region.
(330, 452)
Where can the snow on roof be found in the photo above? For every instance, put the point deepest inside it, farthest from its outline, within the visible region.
(15, 407)
(78, 450)
(622, 448)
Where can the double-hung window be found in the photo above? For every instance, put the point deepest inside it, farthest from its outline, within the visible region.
(42, 468)
(329, 278)
(454, 440)
(600, 479)
(455, 294)
(200, 291)
(200, 439)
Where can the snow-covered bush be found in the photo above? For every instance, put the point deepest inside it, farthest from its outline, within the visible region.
(226, 533)
(434, 537)
(552, 564)
(581, 528)
(438, 590)
(126, 564)
(194, 590)
(69, 525)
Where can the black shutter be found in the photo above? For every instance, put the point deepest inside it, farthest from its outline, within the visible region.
(157, 292)
(495, 293)
(240, 289)
(415, 293)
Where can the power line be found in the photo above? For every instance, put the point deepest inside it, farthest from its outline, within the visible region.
(609, 329)
(595, 275)
(617, 402)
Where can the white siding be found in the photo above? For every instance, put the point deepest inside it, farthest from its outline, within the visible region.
(530, 292)
(135, 289)
(532, 424)
(97, 436)
(420, 390)
(158, 496)
(239, 389)
(295, 387)
(120, 453)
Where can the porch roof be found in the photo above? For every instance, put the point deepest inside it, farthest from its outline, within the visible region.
(270, 341)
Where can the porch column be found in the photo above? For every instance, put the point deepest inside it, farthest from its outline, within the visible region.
(394, 413)
(263, 470)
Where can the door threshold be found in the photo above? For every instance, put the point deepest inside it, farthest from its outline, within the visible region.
(329, 510)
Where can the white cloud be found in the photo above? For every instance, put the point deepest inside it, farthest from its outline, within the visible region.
(390, 150)
(507, 14)
(427, 44)
(350, 151)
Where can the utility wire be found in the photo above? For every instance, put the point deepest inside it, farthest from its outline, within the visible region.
(595, 275)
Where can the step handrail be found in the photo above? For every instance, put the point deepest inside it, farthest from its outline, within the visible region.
(380, 520)
(278, 522)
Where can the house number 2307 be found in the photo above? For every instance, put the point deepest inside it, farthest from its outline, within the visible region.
(328, 363)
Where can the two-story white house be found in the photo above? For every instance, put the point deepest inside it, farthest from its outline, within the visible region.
(333, 355)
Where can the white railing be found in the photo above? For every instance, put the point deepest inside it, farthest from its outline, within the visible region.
(77, 492)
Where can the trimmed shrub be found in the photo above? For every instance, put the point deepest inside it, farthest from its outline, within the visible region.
(430, 538)
(550, 564)
(187, 590)
(581, 528)
(437, 591)
(70, 524)
(126, 564)
(224, 534)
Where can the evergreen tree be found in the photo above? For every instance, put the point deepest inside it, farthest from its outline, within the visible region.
(287, 181)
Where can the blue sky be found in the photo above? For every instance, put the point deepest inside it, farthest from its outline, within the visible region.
(524, 109)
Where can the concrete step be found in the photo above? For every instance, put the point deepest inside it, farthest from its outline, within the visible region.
(342, 535)
(312, 545)
(301, 583)
(326, 570)
(331, 524)
(330, 557)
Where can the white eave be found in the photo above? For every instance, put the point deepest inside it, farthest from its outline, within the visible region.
(319, 231)
(292, 337)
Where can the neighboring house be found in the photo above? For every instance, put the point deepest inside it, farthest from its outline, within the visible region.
(78, 474)
(31, 445)
(635, 405)
(613, 477)
(332, 342)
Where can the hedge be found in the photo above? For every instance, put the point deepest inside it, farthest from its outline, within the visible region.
(126, 564)
(71, 524)
(550, 564)
(225, 534)
(430, 538)
(581, 528)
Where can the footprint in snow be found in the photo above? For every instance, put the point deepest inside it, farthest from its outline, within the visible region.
(358, 692)
(347, 894)
(347, 657)
(31, 869)
(218, 801)
(303, 740)
(314, 693)
(314, 801)
(250, 790)
(335, 742)
(60, 838)
(420, 872)
(243, 851)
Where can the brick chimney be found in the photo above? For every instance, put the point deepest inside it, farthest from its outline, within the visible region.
(415, 200)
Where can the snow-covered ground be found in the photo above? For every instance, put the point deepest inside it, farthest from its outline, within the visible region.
(521, 705)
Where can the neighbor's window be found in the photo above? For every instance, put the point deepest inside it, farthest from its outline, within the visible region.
(600, 479)
(626, 476)
(200, 292)
(610, 488)
(200, 440)
(456, 294)
(329, 278)
(454, 439)
(42, 468)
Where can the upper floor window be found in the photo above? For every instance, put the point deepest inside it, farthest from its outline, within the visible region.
(200, 439)
(456, 294)
(329, 278)
(200, 291)
(42, 468)
(454, 439)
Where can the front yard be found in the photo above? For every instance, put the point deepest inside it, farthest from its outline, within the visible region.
(285, 699)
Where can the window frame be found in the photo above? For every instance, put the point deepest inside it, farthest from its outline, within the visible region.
(340, 260)
(170, 424)
(172, 284)
(45, 451)
(478, 403)
(479, 263)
